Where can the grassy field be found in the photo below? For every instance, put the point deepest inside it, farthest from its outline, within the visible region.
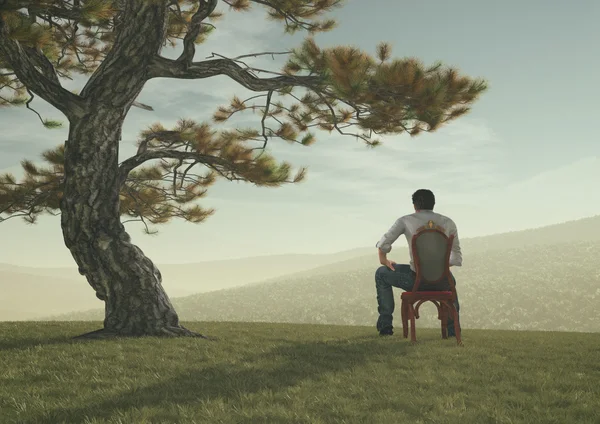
(285, 373)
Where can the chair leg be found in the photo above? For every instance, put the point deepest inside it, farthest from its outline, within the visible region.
(411, 316)
(403, 310)
(444, 318)
(457, 326)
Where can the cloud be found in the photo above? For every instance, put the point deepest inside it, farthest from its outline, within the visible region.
(345, 176)
(553, 195)
(458, 159)
(571, 186)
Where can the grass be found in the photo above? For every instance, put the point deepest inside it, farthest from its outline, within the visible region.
(284, 373)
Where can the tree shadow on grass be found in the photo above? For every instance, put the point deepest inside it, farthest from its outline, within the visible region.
(21, 335)
(22, 343)
(280, 368)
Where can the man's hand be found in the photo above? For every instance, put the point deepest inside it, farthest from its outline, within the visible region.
(383, 260)
(389, 264)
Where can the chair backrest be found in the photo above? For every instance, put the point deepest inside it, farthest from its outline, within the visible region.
(431, 249)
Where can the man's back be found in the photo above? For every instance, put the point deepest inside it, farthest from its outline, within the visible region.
(409, 224)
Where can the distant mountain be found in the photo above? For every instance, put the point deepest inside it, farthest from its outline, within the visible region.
(204, 277)
(25, 296)
(30, 293)
(547, 287)
(586, 229)
(554, 287)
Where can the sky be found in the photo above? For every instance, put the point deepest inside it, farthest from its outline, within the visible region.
(526, 156)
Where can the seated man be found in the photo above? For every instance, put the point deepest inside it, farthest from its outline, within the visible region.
(403, 276)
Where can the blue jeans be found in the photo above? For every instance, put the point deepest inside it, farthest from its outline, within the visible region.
(404, 278)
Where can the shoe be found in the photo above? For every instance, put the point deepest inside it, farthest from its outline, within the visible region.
(386, 332)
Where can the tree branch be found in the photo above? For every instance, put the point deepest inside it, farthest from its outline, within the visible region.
(293, 19)
(205, 8)
(142, 106)
(272, 54)
(262, 121)
(43, 63)
(140, 30)
(74, 13)
(28, 102)
(45, 84)
(161, 67)
(251, 69)
(133, 162)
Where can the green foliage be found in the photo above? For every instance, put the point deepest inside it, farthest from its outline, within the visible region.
(341, 89)
(156, 194)
(396, 96)
(309, 374)
(295, 14)
(51, 124)
(74, 37)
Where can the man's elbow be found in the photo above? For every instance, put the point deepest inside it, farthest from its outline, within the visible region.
(456, 261)
(384, 247)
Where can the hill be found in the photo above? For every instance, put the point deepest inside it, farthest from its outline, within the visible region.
(581, 230)
(203, 277)
(297, 374)
(27, 295)
(31, 293)
(552, 287)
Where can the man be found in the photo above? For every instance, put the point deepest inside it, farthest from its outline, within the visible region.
(403, 276)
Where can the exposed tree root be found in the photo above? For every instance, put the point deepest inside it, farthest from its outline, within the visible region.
(98, 334)
(162, 332)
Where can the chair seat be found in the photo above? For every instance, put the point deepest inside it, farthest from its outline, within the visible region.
(427, 294)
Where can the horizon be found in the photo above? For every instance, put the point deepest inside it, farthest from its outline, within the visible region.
(402, 245)
(509, 165)
(201, 290)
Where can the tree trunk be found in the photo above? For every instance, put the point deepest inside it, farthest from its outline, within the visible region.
(122, 276)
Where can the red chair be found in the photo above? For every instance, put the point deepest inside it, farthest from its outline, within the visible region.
(431, 249)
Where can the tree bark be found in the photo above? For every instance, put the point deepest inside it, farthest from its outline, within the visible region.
(122, 276)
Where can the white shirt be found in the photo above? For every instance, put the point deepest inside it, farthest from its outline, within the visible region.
(409, 224)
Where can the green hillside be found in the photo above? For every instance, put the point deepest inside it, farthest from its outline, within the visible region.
(296, 374)
(552, 287)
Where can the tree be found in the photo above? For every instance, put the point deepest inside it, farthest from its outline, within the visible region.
(118, 43)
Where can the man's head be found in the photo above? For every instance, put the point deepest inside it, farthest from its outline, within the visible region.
(423, 199)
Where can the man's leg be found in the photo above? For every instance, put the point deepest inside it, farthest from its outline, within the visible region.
(402, 277)
(451, 329)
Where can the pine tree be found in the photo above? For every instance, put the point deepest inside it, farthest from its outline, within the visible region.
(118, 44)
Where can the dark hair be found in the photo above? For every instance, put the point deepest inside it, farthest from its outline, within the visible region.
(423, 199)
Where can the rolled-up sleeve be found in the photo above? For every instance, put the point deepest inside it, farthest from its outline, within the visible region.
(385, 243)
(455, 254)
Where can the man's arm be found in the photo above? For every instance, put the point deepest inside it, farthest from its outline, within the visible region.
(384, 245)
(455, 254)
